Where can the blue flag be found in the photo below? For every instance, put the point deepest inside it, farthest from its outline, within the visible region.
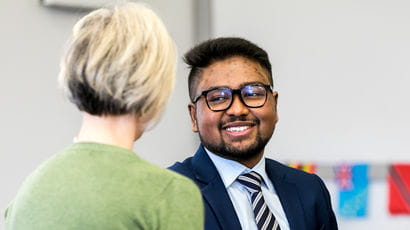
(353, 190)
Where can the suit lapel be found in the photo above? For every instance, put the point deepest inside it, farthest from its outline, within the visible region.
(288, 196)
(214, 192)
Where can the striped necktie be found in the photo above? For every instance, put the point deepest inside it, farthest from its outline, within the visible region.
(263, 216)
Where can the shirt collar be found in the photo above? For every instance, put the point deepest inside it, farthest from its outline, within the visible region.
(229, 170)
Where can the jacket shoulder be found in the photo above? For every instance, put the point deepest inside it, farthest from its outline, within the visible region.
(184, 168)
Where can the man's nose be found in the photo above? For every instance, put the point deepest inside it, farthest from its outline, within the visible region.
(237, 107)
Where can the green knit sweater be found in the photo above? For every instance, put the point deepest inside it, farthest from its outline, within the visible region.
(97, 186)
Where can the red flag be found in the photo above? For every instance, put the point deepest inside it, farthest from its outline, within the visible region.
(399, 189)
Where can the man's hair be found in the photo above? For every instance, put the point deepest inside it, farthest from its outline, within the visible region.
(219, 49)
(119, 60)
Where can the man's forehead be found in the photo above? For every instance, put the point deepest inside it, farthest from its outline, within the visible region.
(232, 72)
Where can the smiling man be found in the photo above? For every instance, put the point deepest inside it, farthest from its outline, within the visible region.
(233, 109)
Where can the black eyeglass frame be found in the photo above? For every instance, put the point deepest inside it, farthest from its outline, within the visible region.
(233, 92)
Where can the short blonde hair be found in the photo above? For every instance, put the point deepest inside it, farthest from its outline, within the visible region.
(119, 60)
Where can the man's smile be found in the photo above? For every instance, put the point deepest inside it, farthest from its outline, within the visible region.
(239, 129)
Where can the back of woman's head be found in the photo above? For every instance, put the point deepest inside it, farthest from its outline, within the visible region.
(119, 60)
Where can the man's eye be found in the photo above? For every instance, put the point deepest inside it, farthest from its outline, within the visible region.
(254, 94)
(217, 98)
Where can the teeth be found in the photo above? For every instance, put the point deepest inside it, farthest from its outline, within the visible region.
(237, 129)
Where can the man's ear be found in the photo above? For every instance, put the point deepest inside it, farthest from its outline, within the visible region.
(192, 113)
(275, 99)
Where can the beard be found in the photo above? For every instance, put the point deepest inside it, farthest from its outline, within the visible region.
(230, 151)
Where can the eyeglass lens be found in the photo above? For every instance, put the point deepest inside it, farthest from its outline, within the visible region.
(252, 95)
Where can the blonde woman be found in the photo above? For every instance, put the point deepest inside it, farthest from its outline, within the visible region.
(119, 71)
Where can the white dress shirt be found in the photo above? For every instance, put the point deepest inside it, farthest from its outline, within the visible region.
(229, 170)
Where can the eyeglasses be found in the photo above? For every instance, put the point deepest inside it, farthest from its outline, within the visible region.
(220, 99)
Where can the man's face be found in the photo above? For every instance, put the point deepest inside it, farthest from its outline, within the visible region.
(238, 133)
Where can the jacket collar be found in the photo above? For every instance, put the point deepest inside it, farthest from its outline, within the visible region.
(213, 190)
(288, 194)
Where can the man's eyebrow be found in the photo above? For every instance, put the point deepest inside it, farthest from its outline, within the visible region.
(240, 86)
(217, 87)
(253, 83)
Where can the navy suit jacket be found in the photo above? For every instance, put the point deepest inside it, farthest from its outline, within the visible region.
(304, 197)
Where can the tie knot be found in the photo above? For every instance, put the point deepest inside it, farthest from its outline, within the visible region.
(252, 181)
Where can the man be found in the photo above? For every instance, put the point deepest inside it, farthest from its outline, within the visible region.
(233, 108)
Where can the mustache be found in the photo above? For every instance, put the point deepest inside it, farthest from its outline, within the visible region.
(238, 118)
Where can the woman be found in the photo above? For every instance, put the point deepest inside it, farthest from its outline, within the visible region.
(119, 71)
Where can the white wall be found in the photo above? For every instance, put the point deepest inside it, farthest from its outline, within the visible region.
(36, 120)
(343, 75)
(342, 72)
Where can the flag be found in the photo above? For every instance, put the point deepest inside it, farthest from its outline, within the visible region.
(307, 167)
(399, 189)
(353, 183)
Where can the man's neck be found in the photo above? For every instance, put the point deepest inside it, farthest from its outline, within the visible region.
(250, 163)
